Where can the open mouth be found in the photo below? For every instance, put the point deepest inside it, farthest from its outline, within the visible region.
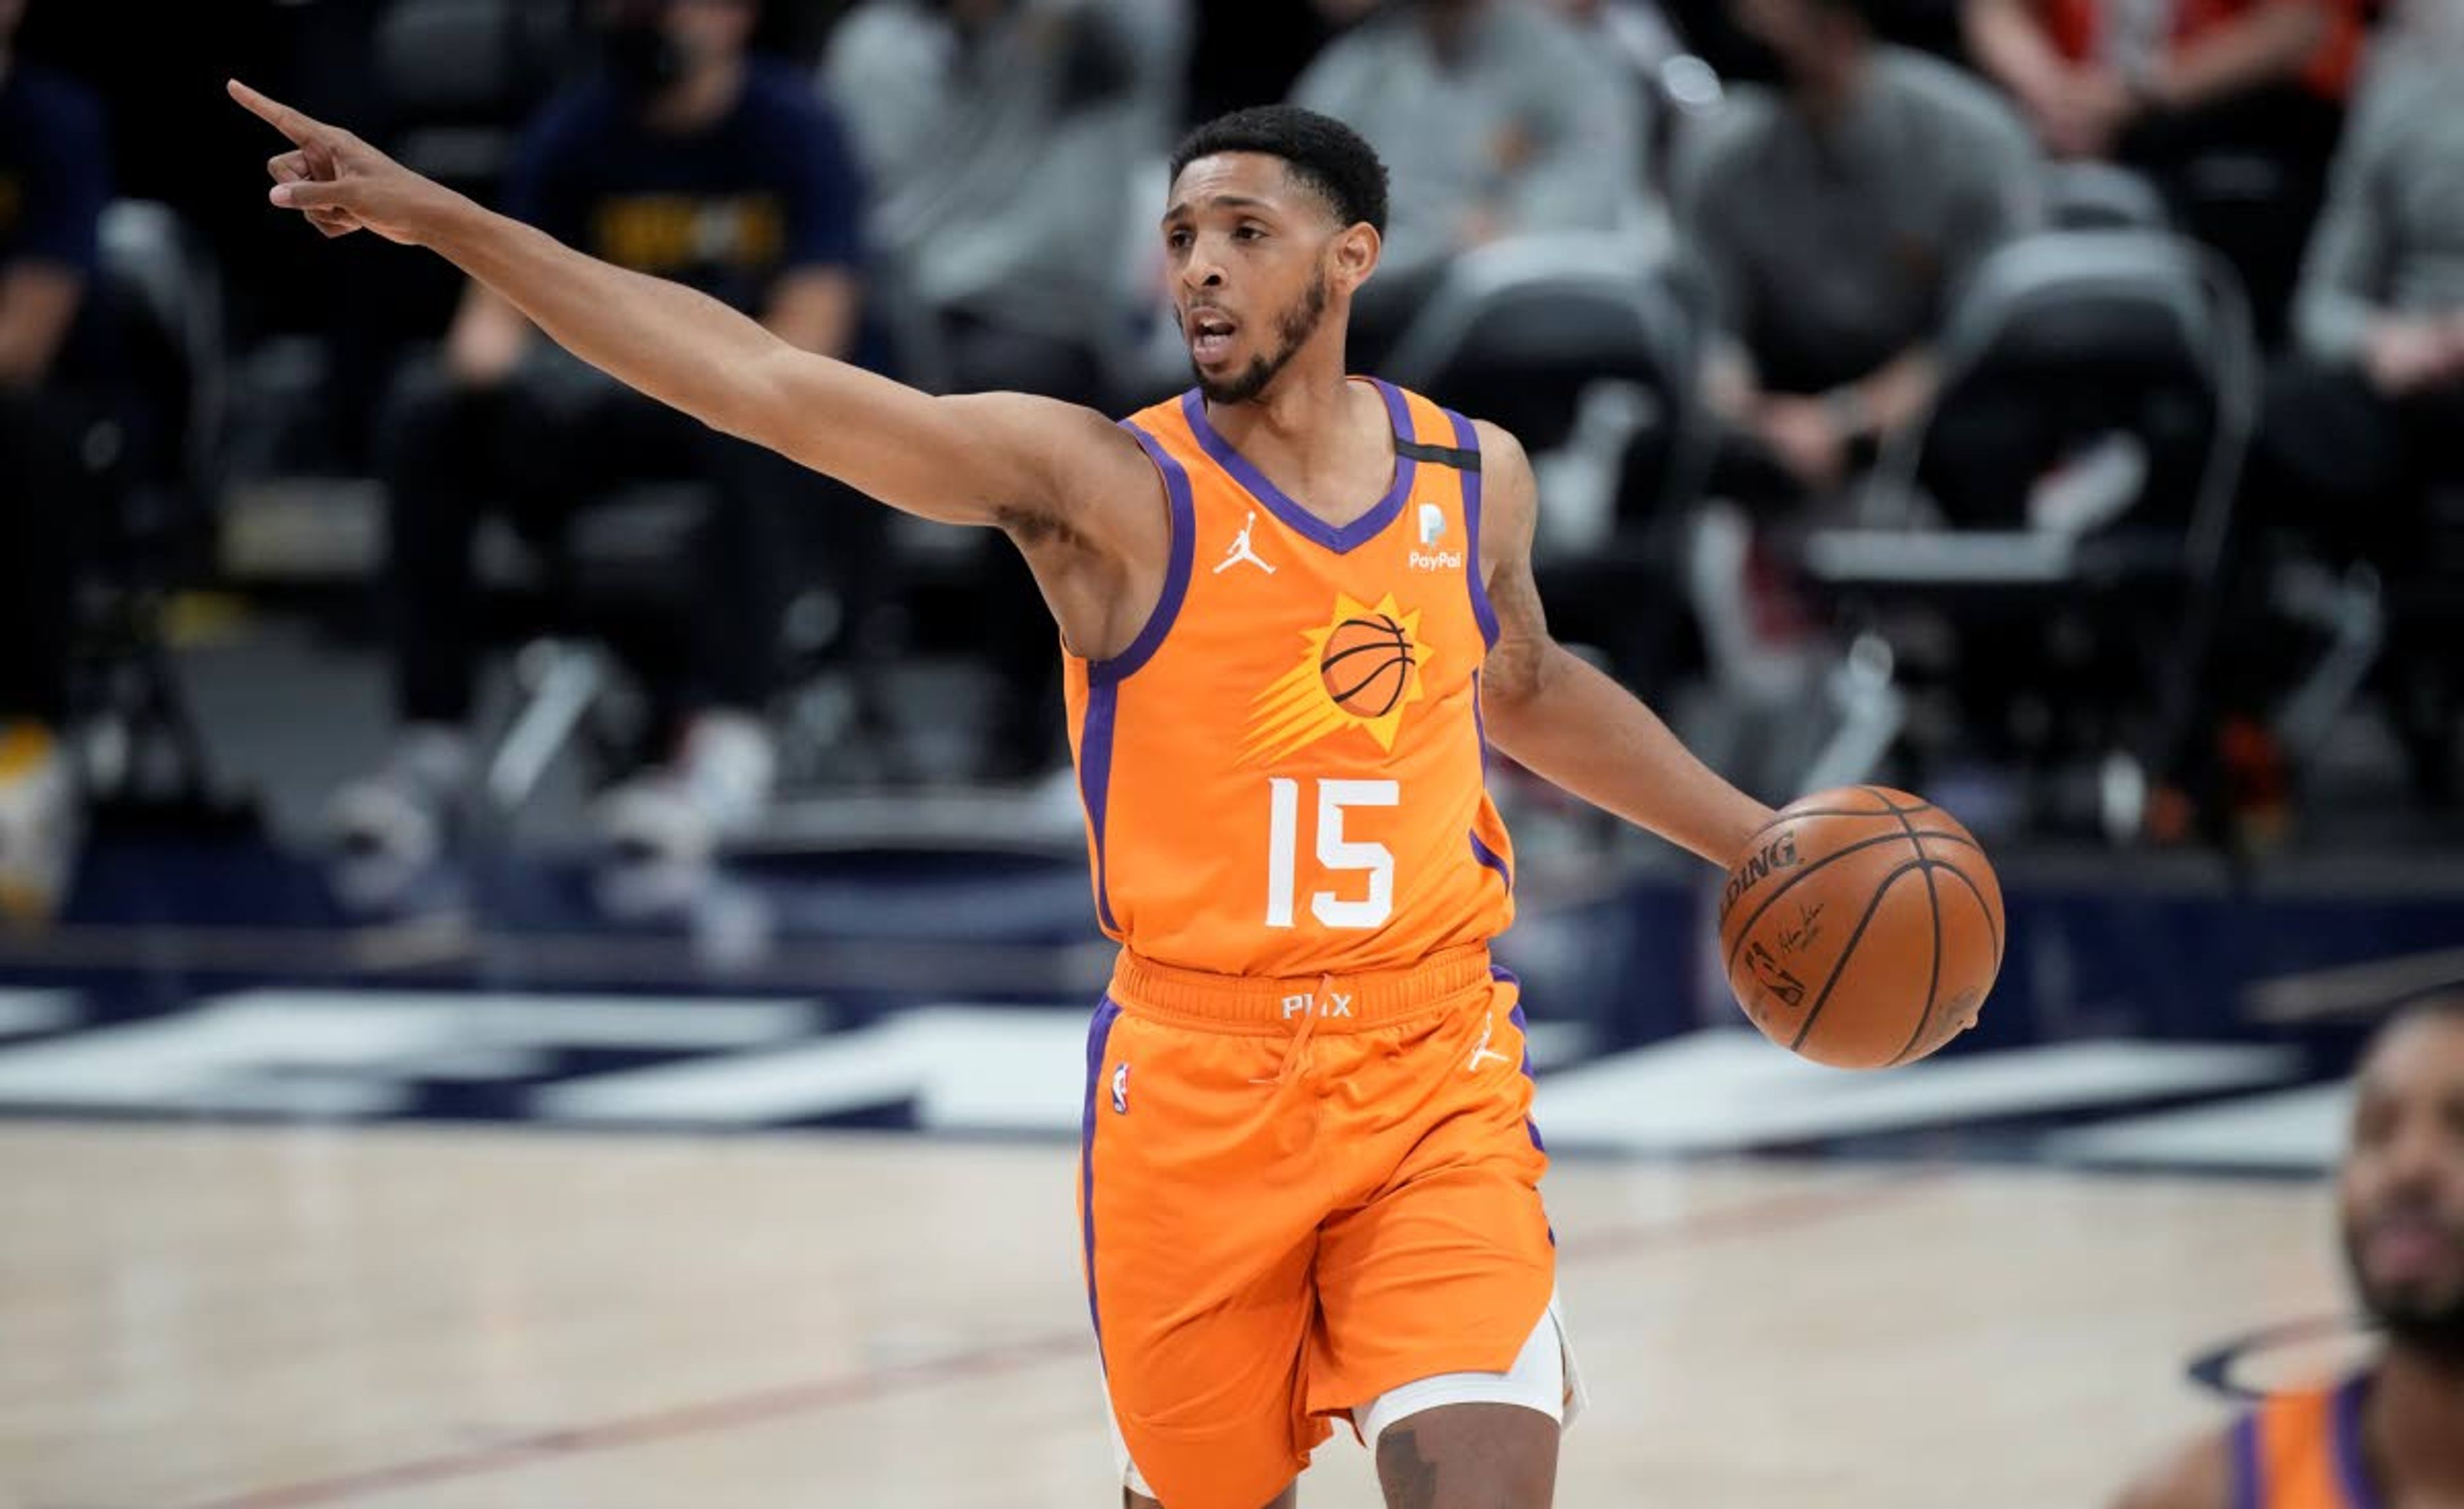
(1210, 335)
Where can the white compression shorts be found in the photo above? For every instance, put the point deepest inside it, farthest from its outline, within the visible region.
(1543, 1377)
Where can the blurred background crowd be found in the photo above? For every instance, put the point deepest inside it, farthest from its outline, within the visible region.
(2054, 405)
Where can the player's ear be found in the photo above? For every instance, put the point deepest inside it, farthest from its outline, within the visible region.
(1356, 250)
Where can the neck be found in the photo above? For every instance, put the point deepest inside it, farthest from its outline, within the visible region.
(2412, 1425)
(1291, 414)
(699, 98)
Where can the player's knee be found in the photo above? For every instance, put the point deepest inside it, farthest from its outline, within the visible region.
(1461, 1456)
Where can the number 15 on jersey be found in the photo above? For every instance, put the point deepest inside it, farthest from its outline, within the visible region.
(1335, 854)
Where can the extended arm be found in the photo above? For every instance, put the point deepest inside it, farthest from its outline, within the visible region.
(1038, 467)
(1562, 719)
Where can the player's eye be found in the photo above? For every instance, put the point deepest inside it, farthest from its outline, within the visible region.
(1178, 240)
(1249, 234)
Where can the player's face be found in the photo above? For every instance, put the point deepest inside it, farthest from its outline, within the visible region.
(2402, 1190)
(1249, 253)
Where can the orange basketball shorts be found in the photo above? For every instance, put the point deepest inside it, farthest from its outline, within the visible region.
(1296, 1196)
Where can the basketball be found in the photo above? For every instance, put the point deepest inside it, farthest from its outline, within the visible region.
(1367, 664)
(1862, 928)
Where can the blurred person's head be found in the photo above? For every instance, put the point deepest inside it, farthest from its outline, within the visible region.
(654, 47)
(1446, 21)
(2399, 1193)
(1276, 217)
(11, 11)
(1818, 45)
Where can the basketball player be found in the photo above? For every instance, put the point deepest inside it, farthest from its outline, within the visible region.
(2393, 1434)
(1293, 605)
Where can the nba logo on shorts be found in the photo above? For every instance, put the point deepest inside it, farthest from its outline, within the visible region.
(1121, 1089)
(1433, 524)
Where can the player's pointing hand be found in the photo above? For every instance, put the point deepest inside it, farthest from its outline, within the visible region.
(340, 181)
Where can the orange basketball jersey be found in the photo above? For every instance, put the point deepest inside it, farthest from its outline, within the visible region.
(2303, 1451)
(1283, 773)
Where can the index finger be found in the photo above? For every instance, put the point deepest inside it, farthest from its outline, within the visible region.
(272, 112)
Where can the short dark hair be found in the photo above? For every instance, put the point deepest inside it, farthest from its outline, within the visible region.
(1321, 151)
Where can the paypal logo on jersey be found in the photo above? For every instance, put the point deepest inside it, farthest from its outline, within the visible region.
(1433, 529)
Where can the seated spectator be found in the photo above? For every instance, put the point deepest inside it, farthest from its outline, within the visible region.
(1003, 140)
(682, 158)
(2232, 106)
(53, 183)
(1833, 219)
(1494, 119)
(2367, 413)
(1242, 54)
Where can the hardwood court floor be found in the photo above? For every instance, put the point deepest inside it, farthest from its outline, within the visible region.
(268, 1316)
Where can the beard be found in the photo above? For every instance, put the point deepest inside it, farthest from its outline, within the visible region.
(1292, 331)
(2429, 1324)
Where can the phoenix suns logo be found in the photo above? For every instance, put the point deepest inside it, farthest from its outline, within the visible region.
(1359, 671)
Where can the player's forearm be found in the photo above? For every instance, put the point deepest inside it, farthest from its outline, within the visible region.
(681, 347)
(1581, 731)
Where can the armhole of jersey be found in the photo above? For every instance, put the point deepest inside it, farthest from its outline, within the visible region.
(1182, 516)
(1466, 438)
(2242, 1448)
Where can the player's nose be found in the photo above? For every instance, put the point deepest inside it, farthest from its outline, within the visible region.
(1202, 270)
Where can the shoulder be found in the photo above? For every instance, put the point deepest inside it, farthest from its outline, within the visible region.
(1940, 90)
(1509, 495)
(1091, 464)
(2197, 1476)
(1733, 134)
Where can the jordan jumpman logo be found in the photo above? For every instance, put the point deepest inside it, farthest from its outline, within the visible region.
(1242, 551)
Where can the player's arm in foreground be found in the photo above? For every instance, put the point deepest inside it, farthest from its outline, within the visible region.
(2194, 1477)
(1561, 718)
(1059, 478)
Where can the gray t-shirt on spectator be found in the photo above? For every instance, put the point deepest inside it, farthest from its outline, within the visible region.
(1523, 124)
(1004, 167)
(1830, 252)
(2392, 235)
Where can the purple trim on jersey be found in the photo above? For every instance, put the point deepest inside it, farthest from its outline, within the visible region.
(1099, 1036)
(1487, 856)
(1467, 438)
(2248, 1492)
(1183, 517)
(1095, 779)
(1297, 518)
(2352, 1472)
(1523, 1025)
